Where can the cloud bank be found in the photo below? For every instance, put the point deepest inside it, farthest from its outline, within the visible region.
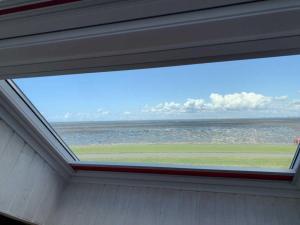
(243, 101)
(233, 105)
(83, 116)
(239, 101)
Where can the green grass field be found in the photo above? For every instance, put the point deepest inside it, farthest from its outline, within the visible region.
(269, 156)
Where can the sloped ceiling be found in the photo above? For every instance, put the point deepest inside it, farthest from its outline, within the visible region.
(53, 15)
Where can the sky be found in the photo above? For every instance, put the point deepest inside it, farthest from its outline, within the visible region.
(255, 88)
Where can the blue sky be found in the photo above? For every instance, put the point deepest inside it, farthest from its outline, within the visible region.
(266, 87)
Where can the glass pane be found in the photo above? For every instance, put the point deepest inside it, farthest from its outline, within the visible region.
(237, 113)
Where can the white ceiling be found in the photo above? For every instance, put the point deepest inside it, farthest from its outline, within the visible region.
(14, 3)
(31, 45)
(91, 13)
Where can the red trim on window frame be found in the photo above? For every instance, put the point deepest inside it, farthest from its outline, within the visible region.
(37, 5)
(187, 172)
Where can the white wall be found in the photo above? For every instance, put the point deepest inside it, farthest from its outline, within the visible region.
(29, 187)
(101, 204)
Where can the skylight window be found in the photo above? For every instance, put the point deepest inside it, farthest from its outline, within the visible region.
(235, 114)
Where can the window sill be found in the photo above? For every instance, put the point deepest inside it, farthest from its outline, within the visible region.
(239, 173)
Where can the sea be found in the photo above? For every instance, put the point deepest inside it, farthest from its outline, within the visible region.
(208, 131)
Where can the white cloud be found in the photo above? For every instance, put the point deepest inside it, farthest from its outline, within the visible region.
(243, 101)
(126, 113)
(297, 102)
(281, 98)
(102, 112)
(239, 101)
(166, 107)
(194, 105)
(67, 115)
(295, 105)
(85, 116)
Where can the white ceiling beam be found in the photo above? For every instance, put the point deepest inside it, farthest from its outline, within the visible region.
(259, 29)
(91, 13)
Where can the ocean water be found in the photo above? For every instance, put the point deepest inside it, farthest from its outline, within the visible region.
(219, 131)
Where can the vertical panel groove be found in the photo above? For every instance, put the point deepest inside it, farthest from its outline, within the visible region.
(28, 185)
(98, 204)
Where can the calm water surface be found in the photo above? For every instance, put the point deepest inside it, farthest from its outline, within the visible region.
(225, 131)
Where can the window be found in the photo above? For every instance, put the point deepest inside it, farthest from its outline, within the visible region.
(243, 113)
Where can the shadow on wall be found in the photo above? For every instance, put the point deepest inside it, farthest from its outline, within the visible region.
(4, 220)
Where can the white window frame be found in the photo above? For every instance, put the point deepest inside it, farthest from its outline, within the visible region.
(24, 105)
(54, 53)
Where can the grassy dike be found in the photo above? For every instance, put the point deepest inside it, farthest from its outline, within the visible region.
(270, 156)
